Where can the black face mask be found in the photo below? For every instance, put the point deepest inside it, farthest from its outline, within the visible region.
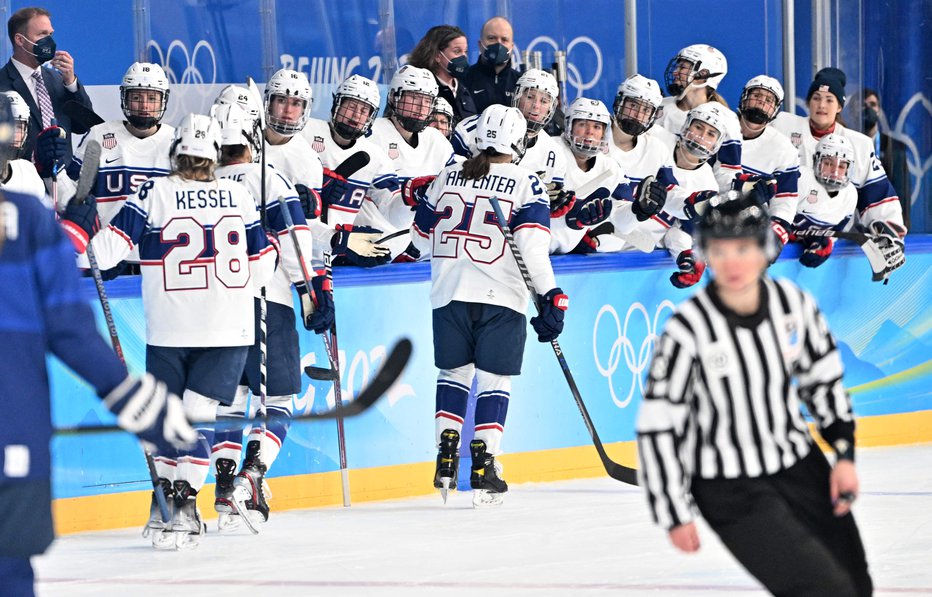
(496, 54)
(44, 49)
(870, 118)
(457, 66)
(630, 126)
(755, 116)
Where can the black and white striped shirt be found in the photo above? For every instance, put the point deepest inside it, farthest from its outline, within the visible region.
(721, 402)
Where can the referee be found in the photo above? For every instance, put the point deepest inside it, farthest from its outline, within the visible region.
(720, 427)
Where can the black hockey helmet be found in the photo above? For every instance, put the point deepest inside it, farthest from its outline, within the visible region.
(735, 215)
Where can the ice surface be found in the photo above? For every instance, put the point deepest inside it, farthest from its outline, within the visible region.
(588, 537)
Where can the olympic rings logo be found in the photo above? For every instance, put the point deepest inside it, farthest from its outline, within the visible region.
(191, 73)
(573, 75)
(637, 361)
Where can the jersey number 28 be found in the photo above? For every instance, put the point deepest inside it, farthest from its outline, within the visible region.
(195, 248)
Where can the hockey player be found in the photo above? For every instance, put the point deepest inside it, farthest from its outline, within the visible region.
(355, 104)
(19, 175)
(203, 254)
(478, 296)
(766, 154)
(536, 96)
(43, 311)
(878, 207)
(442, 118)
(417, 151)
(692, 78)
(720, 427)
(241, 139)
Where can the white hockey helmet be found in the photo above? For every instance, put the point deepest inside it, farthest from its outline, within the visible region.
(238, 127)
(197, 136)
(587, 109)
(360, 89)
(831, 152)
(503, 129)
(697, 61)
(144, 76)
(442, 106)
(636, 104)
(411, 95)
(288, 84)
(537, 114)
(19, 110)
(712, 114)
(755, 114)
(235, 94)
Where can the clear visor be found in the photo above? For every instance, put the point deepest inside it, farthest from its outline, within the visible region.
(537, 106)
(832, 171)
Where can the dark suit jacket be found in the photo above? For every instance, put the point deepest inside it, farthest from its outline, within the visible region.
(10, 79)
(893, 159)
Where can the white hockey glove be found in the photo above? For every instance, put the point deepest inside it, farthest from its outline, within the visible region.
(144, 406)
(885, 251)
(358, 244)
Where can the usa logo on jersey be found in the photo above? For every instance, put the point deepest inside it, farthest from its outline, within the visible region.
(318, 144)
(109, 141)
(813, 196)
(796, 139)
(393, 151)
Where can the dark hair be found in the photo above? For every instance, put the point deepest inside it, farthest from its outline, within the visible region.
(21, 18)
(478, 167)
(435, 40)
(867, 92)
(232, 153)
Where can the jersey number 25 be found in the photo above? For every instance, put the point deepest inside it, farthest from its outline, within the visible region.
(472, 225)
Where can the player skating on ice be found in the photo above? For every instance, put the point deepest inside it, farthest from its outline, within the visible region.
(203, 255)
(720, 428)
(478, 295)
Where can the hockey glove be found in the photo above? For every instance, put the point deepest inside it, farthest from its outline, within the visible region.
(414, 190)
(885, 251)
(310, 201)
(561, 199)
(51, 148)
(409, 255)
(357, 244)
(317, 308)
(817, 251)
(762, 187)
(144, 406)
(80, 222)
(549, 323)
(697, 203)
(649, 200)
(334, 189)
(781, 230)
(690, 270)
(588, 212)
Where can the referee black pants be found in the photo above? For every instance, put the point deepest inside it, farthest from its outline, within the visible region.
(782, 530)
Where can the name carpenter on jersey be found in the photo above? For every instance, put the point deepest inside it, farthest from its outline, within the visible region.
(492, 182)
(195, 199)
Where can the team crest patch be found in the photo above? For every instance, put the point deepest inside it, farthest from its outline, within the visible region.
(393, 151)
(109, 141)
(813, 196)
(318, 144)
(796, 139)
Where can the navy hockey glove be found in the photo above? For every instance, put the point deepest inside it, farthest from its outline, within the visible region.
(80, 222)
(333, 190)
(414, 190)
(763, 187)
(561, 198)
(690, 272)
(51, 148)
(549, 323)
(357, 243)
(144, 406)
(588, 212)
(649, 199)
(697, 203)
(317, 309)
(817, 251)
(310, 201)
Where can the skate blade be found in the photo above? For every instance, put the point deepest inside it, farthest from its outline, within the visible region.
(483, 498)
(186, 541)
(444, 488)
(229, 522)
(239, 503)
(163, 540)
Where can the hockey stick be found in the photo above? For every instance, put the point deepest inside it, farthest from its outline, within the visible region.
(616, 471)
(86, 179)
(877, 256)
(384, 379)
(858, 237)
(81, 114)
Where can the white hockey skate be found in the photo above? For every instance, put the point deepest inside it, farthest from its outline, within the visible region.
(156, 528)
(228, 519)
(248, 490)
(187, 526)
(488, 487)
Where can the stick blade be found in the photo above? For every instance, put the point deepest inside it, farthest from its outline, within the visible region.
(89, 167)
(320, 373)
(353, 164)
(81, 114)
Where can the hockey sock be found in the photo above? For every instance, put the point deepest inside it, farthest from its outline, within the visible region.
(165, 464)
(452, 394)
(278, 409)
(228, 432)
(494, 392)
(194, 464)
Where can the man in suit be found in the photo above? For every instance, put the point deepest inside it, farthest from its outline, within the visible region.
(891, 151)
(30, 31)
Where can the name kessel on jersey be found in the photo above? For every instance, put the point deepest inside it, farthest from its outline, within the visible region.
(203, 198)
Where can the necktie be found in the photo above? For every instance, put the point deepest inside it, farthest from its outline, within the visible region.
(45, 102)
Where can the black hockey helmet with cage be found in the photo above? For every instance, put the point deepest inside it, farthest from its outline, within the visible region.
(735, 215)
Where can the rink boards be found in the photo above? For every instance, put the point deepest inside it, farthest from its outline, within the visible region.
(618, 303)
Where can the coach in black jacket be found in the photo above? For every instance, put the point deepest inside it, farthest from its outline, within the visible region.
(30, 31)
(492, 80)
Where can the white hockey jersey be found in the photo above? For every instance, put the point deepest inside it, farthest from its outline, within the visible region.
(203, 254)
(771, 154)
(665, 227)
(383, 209)
(470, 260)
(603, 180)
(25, 180)
(877, 200)
(279, 193)
(126, 162)
(727, 162)
(820, 209)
